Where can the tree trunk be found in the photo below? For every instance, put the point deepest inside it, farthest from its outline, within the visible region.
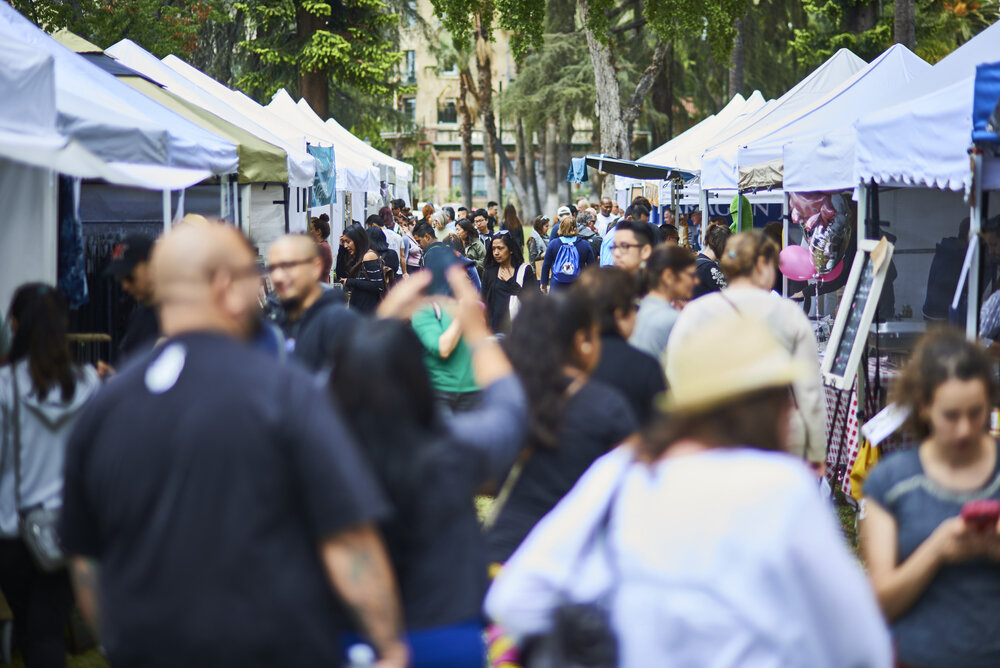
(904, 24)
(465, 132)
(614, 141)
(861, 16)
(314, 85)
(551, 167)
(736, 62)
(565, 153)
(526, 171)
(484, 65)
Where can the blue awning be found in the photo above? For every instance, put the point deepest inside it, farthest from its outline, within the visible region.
(986, 105)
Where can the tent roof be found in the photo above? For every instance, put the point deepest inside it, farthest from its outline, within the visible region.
(258, 160)
(299, 165)
(112, 120)
(876, 85)
(923, 140)
(719, 170)
(355, 172)
(74, 42)
(28, 132)
(293, 138)
(403, 169)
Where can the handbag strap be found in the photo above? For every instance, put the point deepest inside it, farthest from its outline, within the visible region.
(515, 472)
(16, 420)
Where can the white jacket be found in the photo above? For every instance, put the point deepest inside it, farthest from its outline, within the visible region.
(721, 559)
(45, 428)
(807, 432)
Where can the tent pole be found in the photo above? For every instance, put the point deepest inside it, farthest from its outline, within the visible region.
(244, 221)
(862, 210)
(739, 210)
(784, 237)
(167, 217)
(180, 204)
(975, 225)
(703, 203)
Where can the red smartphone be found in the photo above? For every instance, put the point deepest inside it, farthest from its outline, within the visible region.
(981, 515)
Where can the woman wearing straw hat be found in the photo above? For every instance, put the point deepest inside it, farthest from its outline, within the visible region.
(750, 263)
(708, 545)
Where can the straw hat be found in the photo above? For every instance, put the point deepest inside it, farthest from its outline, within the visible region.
(732, 356)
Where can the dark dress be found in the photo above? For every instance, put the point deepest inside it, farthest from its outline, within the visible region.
(367, 286)
(497, 294)
(637, 375)
(597, 418)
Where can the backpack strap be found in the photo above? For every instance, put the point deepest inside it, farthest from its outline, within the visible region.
(521, 272)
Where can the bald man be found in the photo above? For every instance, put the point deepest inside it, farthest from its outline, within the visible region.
(315, 317)
(217, 510)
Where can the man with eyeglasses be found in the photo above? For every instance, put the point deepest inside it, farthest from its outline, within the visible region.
(314, 318)
(632, 245)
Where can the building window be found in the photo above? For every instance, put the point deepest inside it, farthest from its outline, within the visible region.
(478, 176)
(410, 75)
(411, 14)
(410, 108)
(447, 112)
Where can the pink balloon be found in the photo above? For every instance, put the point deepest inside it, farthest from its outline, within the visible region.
(833, 273)
(796, 263)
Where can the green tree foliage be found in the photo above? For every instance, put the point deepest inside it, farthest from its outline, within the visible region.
(160, 27)
(348, 40)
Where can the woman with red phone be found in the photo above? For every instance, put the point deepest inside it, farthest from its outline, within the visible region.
(929, 517)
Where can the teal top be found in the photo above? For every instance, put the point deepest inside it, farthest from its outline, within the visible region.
(448, 374)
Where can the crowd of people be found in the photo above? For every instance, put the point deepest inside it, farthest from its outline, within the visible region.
(283, 466)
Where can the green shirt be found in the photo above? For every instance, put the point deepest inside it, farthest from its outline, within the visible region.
(448, 374)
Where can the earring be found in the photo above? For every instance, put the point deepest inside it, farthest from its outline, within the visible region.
(586, 347)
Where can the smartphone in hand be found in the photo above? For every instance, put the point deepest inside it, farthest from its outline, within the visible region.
(982, 514)
(439, 259)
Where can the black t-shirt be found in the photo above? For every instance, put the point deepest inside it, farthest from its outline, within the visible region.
(202, 479)
(141, 333)
(637, 375)
(318, 331)
(710, 278)
(597, 419)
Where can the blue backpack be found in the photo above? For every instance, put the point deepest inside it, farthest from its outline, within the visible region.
(567, 265)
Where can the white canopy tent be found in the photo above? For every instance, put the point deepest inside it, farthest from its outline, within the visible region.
(262, 207)
(875, 86)
(32, 152)
(919, 149)
(719, 169)
(112, 120)
(923, 141)
(301, 166)
(355, 172)
(404, 171)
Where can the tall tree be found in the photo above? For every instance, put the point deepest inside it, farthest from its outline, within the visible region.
(737, 61)
(904, 27)
(303, 44)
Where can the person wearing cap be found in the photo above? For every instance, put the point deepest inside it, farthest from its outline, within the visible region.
(718, 548)
(130, 266)
(750, 263)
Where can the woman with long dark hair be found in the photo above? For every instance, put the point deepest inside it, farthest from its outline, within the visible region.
(41, 394)
(390, 259)
(935, 565)
(364, 278)
(431, 466)
(513, 225)
(555, 345)
(506, 278)
(707, 544)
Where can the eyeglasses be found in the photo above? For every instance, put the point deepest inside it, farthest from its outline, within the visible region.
(285, 266)
(623, 246)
